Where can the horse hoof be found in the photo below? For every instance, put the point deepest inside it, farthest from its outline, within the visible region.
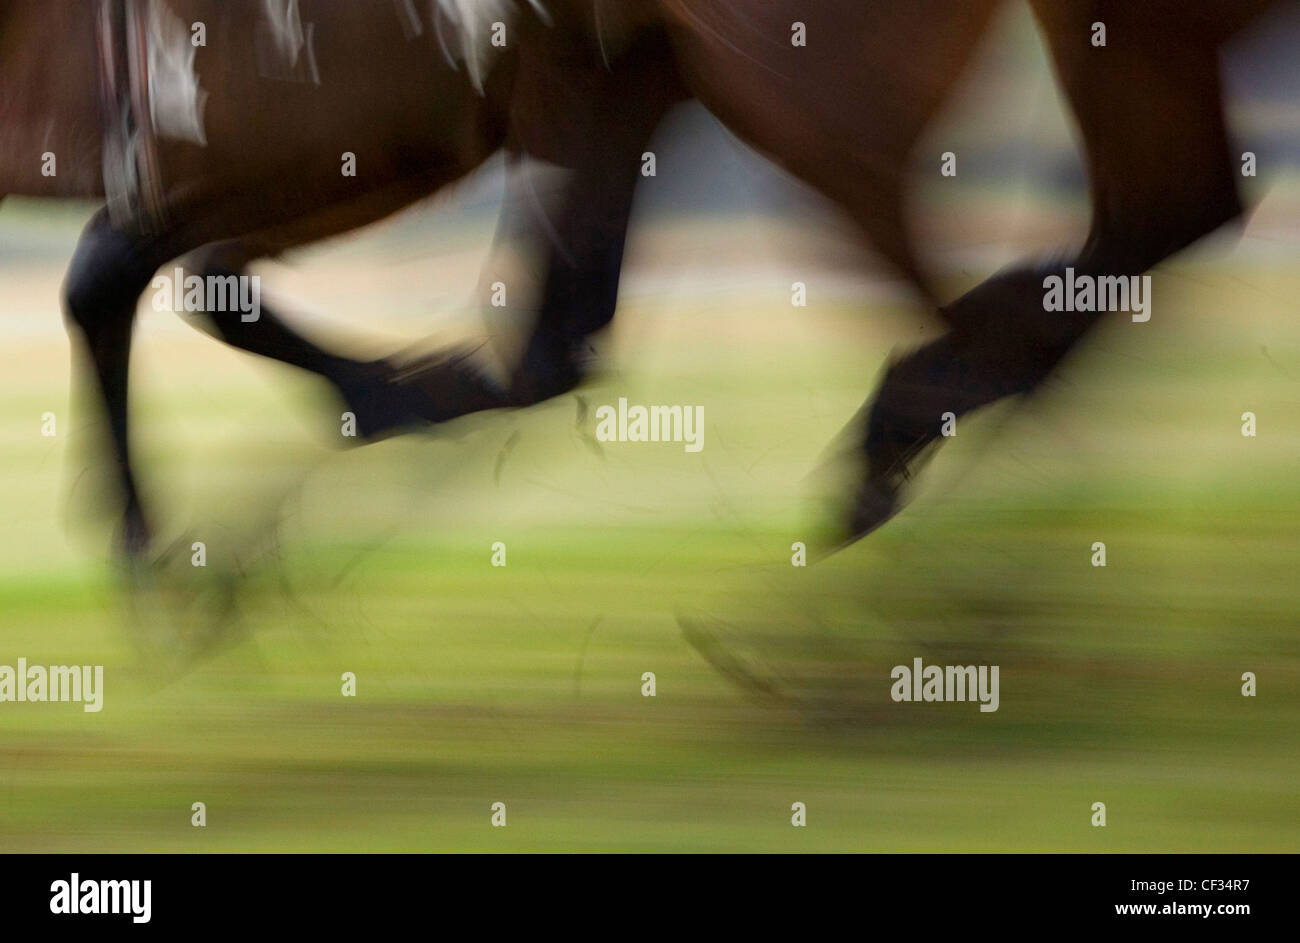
(874, 505)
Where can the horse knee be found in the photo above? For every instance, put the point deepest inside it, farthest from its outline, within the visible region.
(86, 296)
(83, 289)
(104, 278)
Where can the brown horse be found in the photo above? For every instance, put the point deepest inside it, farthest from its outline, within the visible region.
(289, 123)
(837, 94)
(844, 110)
(233, 146)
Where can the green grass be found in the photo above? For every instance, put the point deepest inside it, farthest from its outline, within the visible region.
(522, 684)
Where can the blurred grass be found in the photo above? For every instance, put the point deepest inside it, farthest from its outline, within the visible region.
(522, 684)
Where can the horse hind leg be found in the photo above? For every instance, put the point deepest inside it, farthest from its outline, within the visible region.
(1161, 179)
(263, 332)
(891, 65)
(384, 396)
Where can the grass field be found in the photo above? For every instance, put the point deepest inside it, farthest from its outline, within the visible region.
(522, 684)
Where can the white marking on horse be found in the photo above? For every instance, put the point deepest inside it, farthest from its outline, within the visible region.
(281, 55)
(286, 28)
(176, 101)
(471, 21)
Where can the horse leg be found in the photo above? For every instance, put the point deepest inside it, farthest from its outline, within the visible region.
(109, 271)
(369, 389)
(580, 287)
(601, 143)
(1002, 341)
(891, 65)
(843, 112)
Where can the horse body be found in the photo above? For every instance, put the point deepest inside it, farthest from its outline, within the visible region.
(47, 102)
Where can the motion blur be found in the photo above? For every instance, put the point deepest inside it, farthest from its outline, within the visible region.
(632, 595)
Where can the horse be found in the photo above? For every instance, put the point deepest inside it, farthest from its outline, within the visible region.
(1160, 178)
(838, 95)
(217, 136)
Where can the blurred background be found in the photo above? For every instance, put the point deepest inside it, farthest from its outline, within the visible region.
(479, 684)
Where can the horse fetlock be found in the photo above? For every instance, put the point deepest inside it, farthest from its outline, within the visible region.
(387, 398)
(546, 371)
(447, 385)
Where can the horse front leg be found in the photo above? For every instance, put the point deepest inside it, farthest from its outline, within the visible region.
(109, 271)
(584, 261)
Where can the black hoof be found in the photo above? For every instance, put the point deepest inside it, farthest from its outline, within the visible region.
(874, 505)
